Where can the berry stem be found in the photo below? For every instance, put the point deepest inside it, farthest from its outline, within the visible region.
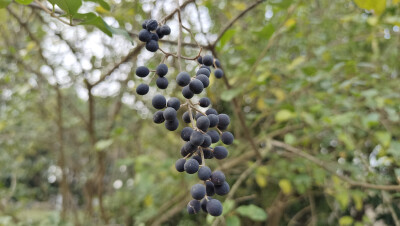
(188, 155)
(199, 111)
(188, 102)
(203, 162)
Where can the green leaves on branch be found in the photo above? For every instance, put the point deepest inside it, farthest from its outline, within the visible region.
(93, 19)
(97, 21)
(69, 6)
(253, 212)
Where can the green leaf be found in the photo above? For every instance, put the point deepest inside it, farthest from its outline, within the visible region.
(4, 3)
(346, 220)
(384, 138)
(103, 144)
(226, 38)
(281, 3)
(69, 6)
(103, 4)
(397, 172)
(232, 221)
(93, 19)
(119, 31)
(266, 32)
(228, 95)
(284, 115)
(394, 149)
(395, 20)
(347, 139)
(370, 120)
(290, 139)
(228, 206)
(378, 6)
(285, 186)
(23, 2)
(343, 199)
(253, 212)
(210, 219)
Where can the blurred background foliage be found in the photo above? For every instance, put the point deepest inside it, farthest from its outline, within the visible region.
(312, 88)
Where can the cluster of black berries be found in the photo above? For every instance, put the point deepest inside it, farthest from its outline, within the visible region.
(207, 61)
(151, 38)
(203, 135)
(161, 82)
(197, 148)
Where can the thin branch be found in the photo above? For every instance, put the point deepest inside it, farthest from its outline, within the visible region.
(239, 113)
(52, 14)
(231, 22)
(284, 130)
(171, 212)
(179, 40)
(169, 16)
(273, 37)
(34, 5)
(241, 178)
(245, 198)
(298, 215)
(180, 55)
(325, 166)
(32, 36)
(314, 219)
(116, 66)
(387, 200)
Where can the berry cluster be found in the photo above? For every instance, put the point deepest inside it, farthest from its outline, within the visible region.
(203, 134)
(151, 38)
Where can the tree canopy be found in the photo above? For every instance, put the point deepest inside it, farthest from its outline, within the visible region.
(312, 89)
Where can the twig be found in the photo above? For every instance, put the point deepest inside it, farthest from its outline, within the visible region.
(169, 16)
(116, 66)
(284, 130)
(298, 215)
(34, 5)
(52, 13)
(179, 40)
(325, 166)
(171, 212)
(203, 162)
(183, 57)
(231, 22)
(314, 218)
(245, 198)
(239, 114)
(272, 39)
(388, 202)
(241, 178)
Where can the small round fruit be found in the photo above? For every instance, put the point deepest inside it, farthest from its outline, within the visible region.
(191, 166)
(142, 89)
